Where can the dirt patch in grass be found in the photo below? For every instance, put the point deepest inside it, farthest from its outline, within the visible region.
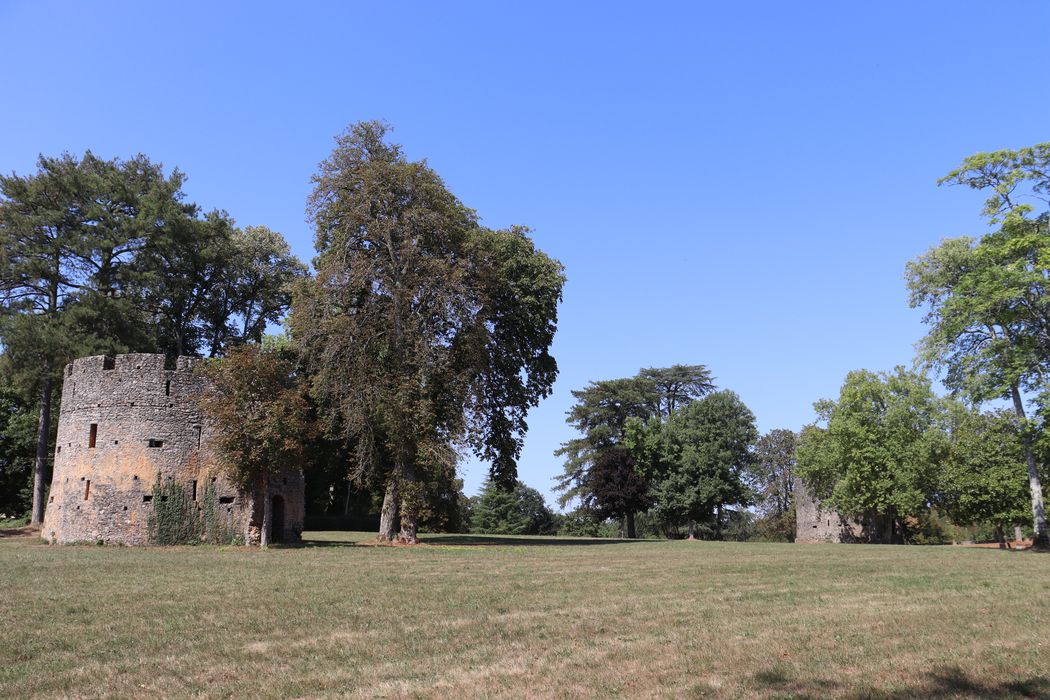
(21, 531)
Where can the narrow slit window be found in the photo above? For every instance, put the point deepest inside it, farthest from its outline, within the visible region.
(87, 489)
(167, 388)
(92, 434)
(198, 437)
(194, 489)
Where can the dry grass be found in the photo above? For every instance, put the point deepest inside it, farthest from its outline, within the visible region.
(512, 617)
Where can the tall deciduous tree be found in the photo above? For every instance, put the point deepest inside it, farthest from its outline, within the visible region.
(262, 418)
(877, 455)
(423, 330)
(986, 300)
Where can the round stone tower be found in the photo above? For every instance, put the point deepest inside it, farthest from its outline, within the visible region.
(129, 421)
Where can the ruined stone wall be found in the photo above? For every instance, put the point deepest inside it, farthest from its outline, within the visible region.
(124, 422)
(815, 524)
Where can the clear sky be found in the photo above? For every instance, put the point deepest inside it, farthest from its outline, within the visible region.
(737, 184)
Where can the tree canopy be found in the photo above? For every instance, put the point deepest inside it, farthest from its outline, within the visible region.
(986, 301)
(698, 462)
(106, 256)
(422, 330)
(519, 510)
(876, 455)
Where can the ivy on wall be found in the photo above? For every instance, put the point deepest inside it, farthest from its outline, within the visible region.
(177, 518)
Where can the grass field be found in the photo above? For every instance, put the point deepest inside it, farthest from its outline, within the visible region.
(510, 617)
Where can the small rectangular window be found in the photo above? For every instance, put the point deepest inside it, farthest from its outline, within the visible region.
(194, 489)
(92, 434)
(226, 499)
(147, 499)
(154, 443)
(87, 489)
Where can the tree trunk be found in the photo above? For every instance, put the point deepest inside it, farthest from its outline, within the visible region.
(632, 532)
(267, 520)
(692, 530)
(408, 530)
(1040, 539)
(388, 516)
(999, 536)
(1018, 535)
(409, 505)
(718, 522)
(40, 470)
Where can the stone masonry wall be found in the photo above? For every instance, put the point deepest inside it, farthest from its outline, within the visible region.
(125, 421)
(815, 524)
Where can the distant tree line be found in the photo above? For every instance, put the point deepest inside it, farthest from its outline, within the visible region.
(665, 446)
(891, 453)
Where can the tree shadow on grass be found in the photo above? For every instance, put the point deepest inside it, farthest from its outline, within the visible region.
(939, 684)
(27, 531)
(518, 541)
(308, 543)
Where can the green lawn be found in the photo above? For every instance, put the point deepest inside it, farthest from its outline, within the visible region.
(510, 617)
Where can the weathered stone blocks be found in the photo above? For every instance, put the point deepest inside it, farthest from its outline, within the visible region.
(127, 421)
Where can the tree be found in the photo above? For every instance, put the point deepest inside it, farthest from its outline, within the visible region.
(698, 461)
(422, 330)
(983, 477)
(520, 510)
(987, 307)
(69, 235)
(614, 488)
(773, 470)
(253, 289)
(877, 456)
(677, 386)
(18, 425)
(601, 413)
(262, 420)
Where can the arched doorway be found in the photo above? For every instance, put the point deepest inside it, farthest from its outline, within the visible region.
(277, 519)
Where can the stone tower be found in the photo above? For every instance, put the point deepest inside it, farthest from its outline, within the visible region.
(126, 422)
(814, 523)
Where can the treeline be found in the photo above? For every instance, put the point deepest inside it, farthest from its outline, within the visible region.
(667, 449)
(890, 453)
(107, 256)
(909, 466)
(902, 463)
(420, 334)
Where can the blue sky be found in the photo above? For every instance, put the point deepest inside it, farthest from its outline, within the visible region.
(733, 184)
